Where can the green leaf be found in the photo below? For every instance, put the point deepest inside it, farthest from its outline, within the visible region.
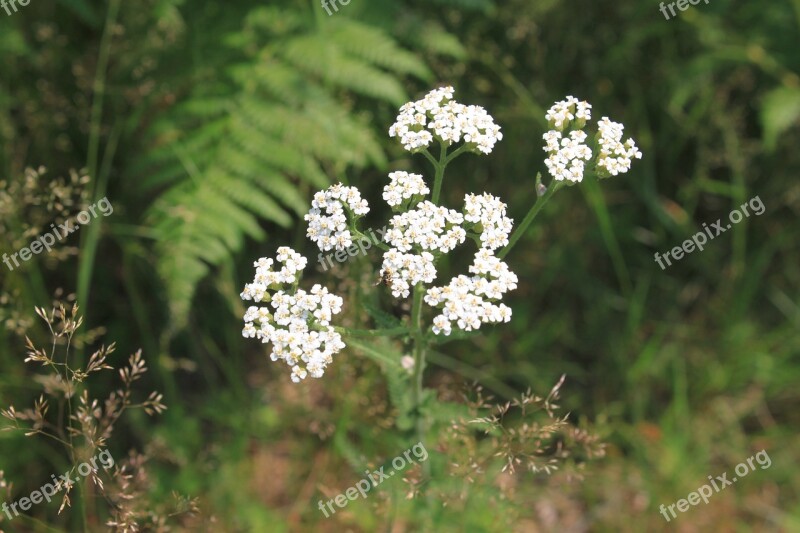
(382, 319)
(780, 110)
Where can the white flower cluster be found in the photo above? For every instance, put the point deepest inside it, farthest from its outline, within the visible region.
(288, 325)
(438, 116)
(562, 113)
(615, 157)
(402, 271)
(566, 155)
(266, 278)
(329, 230)
(418, 236)
(429, 226)
(468, 300)
(490, 213)
(404, 186)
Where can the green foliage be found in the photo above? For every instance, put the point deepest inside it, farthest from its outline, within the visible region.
(220, 120)
(383, 320)
(260, 130)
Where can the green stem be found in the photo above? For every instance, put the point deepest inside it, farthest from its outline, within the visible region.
(92, 235)
(458, 152)
(429, 157)
(439, 166)
(420, 352)
(378, 356)
(90, 239)
(99, 87)
(540, 202)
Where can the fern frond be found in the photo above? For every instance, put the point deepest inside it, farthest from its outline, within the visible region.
(226, 164)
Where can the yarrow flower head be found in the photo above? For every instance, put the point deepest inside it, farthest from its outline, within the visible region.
(402, 271)
(615, 156)
(296, 322)
(438, 116)
(415, 236)
(403, 187)
(327, 220)
(419, 235)
(568, 153)
(469, 301)
(428, 227)
(561, 114)
(488, 214)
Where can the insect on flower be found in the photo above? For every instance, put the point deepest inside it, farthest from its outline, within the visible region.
(386, 278)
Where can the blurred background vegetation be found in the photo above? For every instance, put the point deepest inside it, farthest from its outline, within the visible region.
(209, 125)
